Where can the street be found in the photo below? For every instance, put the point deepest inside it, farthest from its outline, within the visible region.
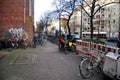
(42, 63)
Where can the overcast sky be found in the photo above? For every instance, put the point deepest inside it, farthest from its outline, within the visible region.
(41, 6)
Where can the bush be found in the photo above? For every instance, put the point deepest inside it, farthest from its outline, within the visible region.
(93, 40)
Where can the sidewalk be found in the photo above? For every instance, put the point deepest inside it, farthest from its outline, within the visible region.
(2, 56)
(41, 63)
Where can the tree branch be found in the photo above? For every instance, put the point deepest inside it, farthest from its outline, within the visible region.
(87, 4)
(104, 6)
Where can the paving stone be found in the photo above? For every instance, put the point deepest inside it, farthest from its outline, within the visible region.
(24, 59)
(49, 64)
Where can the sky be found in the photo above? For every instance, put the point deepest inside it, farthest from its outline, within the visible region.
(40, 7)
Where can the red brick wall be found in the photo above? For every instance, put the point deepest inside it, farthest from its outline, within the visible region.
(12, 16)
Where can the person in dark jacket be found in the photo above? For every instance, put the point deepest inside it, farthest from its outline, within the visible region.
(35, 40)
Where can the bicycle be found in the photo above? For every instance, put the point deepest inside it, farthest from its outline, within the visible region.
(90, 64)
(22, 43)
(42, 42)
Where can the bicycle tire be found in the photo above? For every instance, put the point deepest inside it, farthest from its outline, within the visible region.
(84, 68)
(43, 43)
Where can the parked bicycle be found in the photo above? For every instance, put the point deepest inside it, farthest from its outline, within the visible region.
(90, 64)
(41, 41)
(38, 40)
(22, 43)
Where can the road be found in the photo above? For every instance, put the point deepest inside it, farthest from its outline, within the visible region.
(46, 63)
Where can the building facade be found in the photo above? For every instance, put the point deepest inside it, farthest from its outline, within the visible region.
(106, 20)
(17, 16)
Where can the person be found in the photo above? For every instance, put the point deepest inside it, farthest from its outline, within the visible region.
(61, 41)
(35, 41)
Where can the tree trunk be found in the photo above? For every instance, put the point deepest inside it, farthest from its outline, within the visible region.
(91, 18)
(69, 32)
(91, 27)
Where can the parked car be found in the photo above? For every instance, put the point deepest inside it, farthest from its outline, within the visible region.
(112, 39)
(72, 38)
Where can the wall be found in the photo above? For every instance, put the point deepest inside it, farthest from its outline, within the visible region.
(12, 16)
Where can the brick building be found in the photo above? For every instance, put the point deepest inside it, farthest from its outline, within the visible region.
(17, 15)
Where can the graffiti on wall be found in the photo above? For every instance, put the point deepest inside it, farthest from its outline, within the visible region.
(18, 33)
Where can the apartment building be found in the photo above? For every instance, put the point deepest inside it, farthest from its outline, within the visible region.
(18, 16)
(75, 21)
(112, 18)
(106, 20)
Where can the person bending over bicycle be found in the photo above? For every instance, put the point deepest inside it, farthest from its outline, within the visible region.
(61, 42)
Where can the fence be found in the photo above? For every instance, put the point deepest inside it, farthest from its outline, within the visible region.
(83, 46)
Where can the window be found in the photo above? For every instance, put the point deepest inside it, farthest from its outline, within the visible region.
(113, 21)
(97, 16)
(102, 26)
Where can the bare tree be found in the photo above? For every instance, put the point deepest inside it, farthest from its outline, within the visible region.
(66, 8)
(58, 11)
(91, 5)
(69, 9)
(43, 23)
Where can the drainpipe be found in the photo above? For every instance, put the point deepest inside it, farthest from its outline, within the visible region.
(25, 15)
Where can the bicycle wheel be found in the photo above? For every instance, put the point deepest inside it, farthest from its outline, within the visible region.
(85, 68)
(43, 43)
